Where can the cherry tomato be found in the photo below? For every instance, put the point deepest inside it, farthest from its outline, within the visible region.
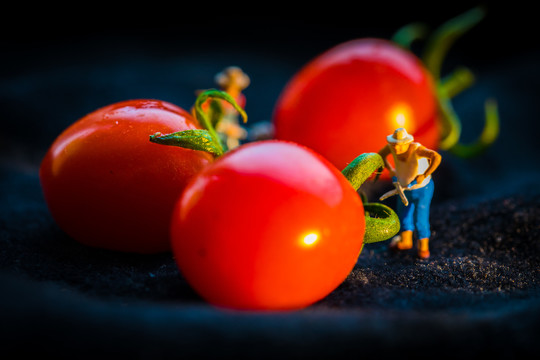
(107, 186)
(348, 99)
(269, 225)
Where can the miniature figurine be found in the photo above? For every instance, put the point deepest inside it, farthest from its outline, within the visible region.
(232, 80)
(411, 177)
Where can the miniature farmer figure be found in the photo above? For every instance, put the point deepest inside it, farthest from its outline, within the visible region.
(411, 177)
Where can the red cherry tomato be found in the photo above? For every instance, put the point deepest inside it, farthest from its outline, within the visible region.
(348, 99)
(270, 225)
(107, 186)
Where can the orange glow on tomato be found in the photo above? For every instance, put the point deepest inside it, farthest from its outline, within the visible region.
(310, 239)
(401, 115)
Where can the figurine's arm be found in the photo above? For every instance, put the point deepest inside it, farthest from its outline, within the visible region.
(434, 160)
(384, 152)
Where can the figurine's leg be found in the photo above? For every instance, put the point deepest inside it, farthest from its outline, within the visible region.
(405, 213)
(425, 195)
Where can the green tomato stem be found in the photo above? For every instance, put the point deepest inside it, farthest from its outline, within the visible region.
(451, 123)
(453, 84)
(201, 139)
(361, 168)
(196, 139)
(410, 33)
(381, 222)
(436, 49)
(449, 87)
(452, 128)
(215, 112)
(203, 118)
(443, 38)
(487, 137)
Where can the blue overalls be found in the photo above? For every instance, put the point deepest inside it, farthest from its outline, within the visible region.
(415, 216)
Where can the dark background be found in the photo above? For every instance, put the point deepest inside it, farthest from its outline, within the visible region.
(59, 297)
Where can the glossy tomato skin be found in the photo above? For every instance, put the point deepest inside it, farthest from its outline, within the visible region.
(107, 186)
(348, 99)
(269, 226)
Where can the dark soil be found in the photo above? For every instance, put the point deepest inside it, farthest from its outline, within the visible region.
(477, 296)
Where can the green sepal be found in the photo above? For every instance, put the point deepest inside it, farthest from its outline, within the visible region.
(438, 44)
(452, 127)
(450, 121)
(213, 93)
(202, 139)
(195, 139)
(487, 137)
(208, 123)
(410, 33)
(459, 80)
(436, 49)
(447, 88)
(215, 113)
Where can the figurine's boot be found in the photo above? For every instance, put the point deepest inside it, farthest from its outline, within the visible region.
(423, 248)
(402, 242)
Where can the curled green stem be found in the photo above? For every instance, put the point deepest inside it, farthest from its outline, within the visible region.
(459, 80)
(203, 118)
(443, 38)
(361, 168)
(452, 128)
(205, 139)
(451, 123)
(447, 88)
(195, 139)
(487, 137)
(381, 222)
(436, 49)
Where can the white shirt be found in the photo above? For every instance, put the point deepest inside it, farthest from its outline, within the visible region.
(409, 168)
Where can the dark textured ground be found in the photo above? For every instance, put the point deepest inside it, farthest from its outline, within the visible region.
(478, 295)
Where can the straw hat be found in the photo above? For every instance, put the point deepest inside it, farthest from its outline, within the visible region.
(400, 136)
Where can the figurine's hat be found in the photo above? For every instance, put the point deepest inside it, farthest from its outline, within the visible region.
(400, 136)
